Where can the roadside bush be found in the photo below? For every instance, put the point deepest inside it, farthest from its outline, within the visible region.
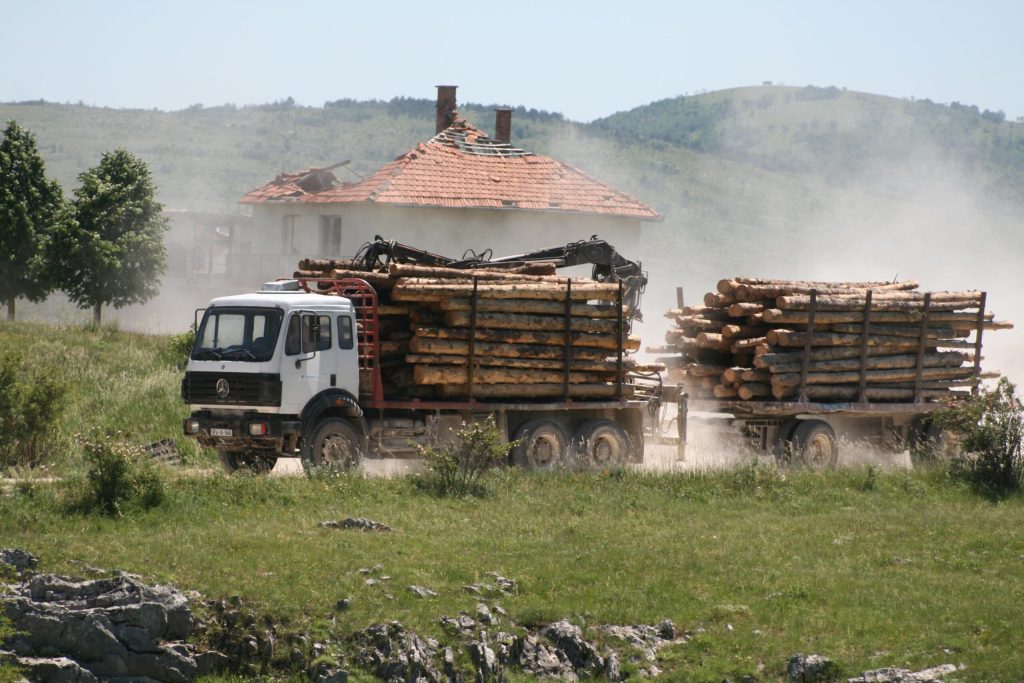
(457, 470)
(119, 475)
(990, 427)
(180, 346)
(31, 404)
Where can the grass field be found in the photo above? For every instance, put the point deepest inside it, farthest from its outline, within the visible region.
(870, 568)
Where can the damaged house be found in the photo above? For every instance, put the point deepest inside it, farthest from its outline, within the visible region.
(459, 190)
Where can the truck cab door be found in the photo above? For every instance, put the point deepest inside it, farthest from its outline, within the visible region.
(308, 359)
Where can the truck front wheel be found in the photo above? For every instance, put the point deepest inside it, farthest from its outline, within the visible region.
(258, 462)
(334, 444)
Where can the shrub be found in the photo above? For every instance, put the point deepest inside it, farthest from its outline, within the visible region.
(457, 469)
(31, 403)
(118, 475)
(180, 346)
(990, 427)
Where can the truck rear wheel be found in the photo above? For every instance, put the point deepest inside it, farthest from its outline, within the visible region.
(233, 461)
(334, 444)
(814, 441)
(602, 443)
(540, 444)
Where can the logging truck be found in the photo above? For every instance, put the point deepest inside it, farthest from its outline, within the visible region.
(794, 365)
(305, 367)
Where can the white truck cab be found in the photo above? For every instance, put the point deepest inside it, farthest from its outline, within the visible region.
(270, 366)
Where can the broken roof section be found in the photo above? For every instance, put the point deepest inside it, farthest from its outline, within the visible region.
(461, 167)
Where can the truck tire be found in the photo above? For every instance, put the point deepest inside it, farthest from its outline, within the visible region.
(782, 444)
(540, 445)
(258, 463)
(927, 442)
(334, 444)
(602, 443)
(814, 441)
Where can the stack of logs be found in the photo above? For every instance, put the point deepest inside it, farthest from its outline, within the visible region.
(766, 340)
(492, 332)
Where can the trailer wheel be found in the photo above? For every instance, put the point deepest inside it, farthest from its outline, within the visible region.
(540, 444)
(815, 442)
(928, 443)
(782, 444)
(602, 443)
(233, 461)
(334, 444)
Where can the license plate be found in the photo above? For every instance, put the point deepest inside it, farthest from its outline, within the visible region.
(217, 431)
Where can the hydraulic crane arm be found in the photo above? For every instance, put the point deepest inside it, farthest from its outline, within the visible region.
(609, 265)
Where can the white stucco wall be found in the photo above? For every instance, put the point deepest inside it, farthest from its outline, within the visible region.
(449, 232)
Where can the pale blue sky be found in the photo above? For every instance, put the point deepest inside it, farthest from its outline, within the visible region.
(584, 59)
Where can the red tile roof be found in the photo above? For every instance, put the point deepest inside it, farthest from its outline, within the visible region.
(461, 167)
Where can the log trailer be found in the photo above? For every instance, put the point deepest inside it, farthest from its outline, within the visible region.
(863, 386)
(295, 370)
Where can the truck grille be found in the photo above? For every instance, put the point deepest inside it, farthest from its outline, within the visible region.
(242, 388)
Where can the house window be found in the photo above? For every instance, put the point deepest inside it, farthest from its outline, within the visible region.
(330, 236)
(288, 235)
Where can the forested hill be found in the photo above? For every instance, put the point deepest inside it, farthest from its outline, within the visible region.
(827, 131)
(207, 157)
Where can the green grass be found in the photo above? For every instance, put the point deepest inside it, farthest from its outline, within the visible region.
(114, 382)
(872, 570)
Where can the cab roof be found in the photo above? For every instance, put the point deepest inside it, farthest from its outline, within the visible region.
(284, 300)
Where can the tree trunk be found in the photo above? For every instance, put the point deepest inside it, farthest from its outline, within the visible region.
(791, 339)
(428, 345)
(10, 309)
(751, 292)
(598, 341)
(440, 374)
(751, 390)
(900, 330)
(846, 392)
(533, 306)
(905, 302)
(96, 314)
(538, 271)
(725, 391)
(507, 391)
(515, 321)
(777, 316)
(823, 353)
(780, 363)
(409, 289)
(527, 363)
(792, 379)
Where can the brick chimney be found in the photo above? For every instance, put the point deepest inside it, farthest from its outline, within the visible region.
(445, 106)
(503, 125)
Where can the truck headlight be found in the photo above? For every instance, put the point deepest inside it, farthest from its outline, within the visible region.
(258, 429)
(191, 426)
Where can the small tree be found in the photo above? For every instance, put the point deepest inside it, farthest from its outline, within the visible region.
(991, 431)
(114, 252)
(456, 469)
(30, 207)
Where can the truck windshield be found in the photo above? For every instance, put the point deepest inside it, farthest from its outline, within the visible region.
(245, 334)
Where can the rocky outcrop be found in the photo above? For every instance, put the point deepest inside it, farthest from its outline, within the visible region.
(359, 523)
(893, 675)
(105, 629)
(396, 655)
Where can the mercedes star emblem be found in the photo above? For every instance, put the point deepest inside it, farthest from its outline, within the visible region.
(223, 388)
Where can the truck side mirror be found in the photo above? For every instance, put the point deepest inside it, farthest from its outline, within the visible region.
(310, 333)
